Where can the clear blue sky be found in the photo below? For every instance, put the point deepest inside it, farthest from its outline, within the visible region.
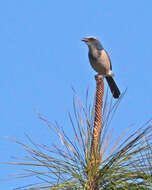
(41, 56)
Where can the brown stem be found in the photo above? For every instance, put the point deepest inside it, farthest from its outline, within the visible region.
(98, 117)
(94, 163)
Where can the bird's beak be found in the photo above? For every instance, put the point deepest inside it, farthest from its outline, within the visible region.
(84, 39)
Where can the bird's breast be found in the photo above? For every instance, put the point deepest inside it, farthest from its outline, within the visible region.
(100, 62)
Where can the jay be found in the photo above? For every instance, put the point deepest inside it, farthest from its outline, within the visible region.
(101, 63)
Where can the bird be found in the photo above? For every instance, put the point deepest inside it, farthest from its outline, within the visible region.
(101, 63)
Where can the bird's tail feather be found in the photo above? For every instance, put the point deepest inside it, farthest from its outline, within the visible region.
(113, 87)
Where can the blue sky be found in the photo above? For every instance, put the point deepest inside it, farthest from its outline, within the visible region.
(42, 57)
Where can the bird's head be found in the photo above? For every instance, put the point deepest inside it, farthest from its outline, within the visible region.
(93, 42)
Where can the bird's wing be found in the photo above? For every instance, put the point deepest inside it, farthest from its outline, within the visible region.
(109, 59)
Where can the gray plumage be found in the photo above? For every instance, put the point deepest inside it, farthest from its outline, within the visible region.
(101, 63)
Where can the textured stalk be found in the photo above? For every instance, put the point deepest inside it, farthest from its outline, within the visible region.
(94, 163)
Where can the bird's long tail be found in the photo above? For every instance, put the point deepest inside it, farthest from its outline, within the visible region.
(113, 87)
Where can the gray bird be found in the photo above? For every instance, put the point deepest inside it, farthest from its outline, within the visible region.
(100, 62)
